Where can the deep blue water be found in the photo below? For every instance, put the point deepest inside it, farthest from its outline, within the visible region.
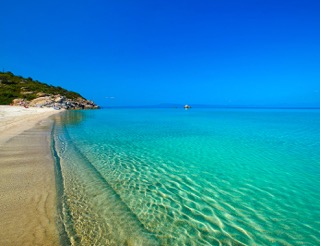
(190, 177)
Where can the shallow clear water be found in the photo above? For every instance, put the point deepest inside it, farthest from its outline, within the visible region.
(190, 177)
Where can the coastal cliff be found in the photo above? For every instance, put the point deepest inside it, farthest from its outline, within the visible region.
(17, 90)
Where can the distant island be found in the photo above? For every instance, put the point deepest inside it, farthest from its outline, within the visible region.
(17, 90)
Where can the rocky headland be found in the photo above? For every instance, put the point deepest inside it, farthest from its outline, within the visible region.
(56, 101)
(19, 91)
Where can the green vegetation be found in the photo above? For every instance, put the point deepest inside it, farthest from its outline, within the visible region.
(12, 87)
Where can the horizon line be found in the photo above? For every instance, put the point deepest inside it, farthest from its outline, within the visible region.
(213, 106)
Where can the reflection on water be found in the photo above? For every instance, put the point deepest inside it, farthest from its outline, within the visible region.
(70, 117)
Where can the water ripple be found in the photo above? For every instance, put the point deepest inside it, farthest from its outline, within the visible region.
(221, 179)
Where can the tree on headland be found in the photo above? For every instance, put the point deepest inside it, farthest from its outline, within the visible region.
(13, 87)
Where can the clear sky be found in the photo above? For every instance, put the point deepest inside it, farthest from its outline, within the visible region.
(142, 52)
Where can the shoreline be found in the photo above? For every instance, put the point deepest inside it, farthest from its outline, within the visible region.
(28, 194)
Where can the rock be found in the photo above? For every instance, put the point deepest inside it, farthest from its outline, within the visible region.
(41, 94)
(45, 100)
(41, 101)
(18, 101)
(59, 99)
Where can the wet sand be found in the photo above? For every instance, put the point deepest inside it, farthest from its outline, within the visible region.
(27, 182)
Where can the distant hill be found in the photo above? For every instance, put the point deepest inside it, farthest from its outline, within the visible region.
(26, 91)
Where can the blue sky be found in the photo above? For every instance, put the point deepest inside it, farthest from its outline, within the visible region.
(253, 53)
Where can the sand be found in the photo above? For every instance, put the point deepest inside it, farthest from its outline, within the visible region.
(27, 182)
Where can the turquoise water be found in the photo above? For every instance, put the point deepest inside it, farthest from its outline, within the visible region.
(190, 177)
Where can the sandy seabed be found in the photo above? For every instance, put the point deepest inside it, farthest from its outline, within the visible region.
(27, 182)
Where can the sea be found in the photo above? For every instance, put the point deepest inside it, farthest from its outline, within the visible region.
(172, 176)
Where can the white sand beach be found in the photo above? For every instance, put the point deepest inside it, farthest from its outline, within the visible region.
(15, 119)
(27, 182)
